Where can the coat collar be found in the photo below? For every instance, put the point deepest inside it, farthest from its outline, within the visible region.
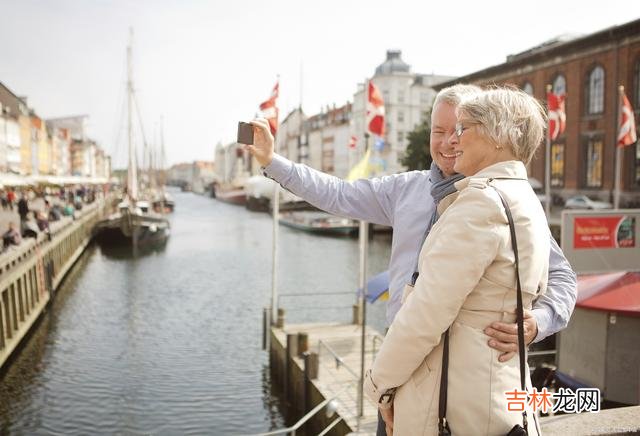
(511, 169)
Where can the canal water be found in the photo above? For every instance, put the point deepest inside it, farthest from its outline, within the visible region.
(170, 342)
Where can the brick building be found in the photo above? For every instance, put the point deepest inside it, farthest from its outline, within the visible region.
(589, 69)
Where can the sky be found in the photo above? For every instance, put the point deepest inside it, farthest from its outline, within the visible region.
(202, 66)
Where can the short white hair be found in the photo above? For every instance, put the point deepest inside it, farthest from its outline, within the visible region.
(508, 117)
(452, 95)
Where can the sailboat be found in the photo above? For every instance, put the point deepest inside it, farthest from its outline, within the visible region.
(134, 223)
(162, 201)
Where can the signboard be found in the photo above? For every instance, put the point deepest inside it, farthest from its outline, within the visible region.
(604, 232)
(596, 242)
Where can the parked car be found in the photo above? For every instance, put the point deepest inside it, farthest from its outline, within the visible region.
(584, 202)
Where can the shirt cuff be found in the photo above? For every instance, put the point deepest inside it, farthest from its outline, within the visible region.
(384, 399)
(278, 168)
(543, 322)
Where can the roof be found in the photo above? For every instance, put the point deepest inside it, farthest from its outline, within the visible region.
(613, 292)
(555, 47)
(393, 64)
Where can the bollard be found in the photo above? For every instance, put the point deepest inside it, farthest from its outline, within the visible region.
(311, 365)
(280, 321)
(357, 314)
(303, 343)
(292, 348)
(310, 373)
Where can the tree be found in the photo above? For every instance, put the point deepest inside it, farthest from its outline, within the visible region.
(417, 156)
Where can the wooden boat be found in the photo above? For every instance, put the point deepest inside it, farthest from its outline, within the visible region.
(319, 223)
(133, 224)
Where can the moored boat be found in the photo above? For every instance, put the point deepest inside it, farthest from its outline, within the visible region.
(319, 223)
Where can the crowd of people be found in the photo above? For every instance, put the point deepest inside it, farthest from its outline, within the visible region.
(57, 202)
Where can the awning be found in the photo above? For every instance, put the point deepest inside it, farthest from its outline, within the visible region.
(614, 292)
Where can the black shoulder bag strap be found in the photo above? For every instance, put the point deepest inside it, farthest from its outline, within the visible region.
(443, 425)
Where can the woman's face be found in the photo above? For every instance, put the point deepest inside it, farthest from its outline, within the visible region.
(473, 151)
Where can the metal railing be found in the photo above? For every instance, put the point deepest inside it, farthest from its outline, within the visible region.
(330, 403)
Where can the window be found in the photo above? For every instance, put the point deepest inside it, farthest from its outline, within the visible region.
(400, 137)
(424, 97)
(559, 85)
(400, 96)
(595, 91)
(385, 96)
(528, 88)
(557, 165)
(594, 160)
(400, 116)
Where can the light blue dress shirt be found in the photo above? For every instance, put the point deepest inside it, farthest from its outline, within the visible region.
(403, 201)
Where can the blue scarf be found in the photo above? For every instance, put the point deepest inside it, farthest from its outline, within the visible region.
(440, 188)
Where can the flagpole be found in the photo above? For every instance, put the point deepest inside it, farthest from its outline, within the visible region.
(619, 151)
(275, 202)
(362, 279)
(547, 167)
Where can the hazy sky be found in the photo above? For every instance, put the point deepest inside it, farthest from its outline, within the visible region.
(204, 65)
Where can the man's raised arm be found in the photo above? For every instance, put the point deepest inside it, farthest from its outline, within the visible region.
(365, 199)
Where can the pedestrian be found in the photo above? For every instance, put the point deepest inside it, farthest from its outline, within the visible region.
(11, 198)
(23, 208)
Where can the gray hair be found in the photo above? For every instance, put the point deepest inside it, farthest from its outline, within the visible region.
(452, 95)
(508, 117)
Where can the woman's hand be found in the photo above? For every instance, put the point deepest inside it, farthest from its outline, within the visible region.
(263, 142)
(387, 416)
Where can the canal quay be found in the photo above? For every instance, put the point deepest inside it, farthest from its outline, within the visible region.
(170, 342)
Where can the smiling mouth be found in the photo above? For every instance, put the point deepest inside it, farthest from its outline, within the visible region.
(448, 156)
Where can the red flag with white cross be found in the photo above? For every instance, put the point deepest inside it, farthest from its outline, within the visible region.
(557, 114)
(270, 109)
(627, 131)
(375, 110)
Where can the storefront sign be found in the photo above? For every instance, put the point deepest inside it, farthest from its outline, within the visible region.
(604, 232)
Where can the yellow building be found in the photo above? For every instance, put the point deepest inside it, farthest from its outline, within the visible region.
(41, 146)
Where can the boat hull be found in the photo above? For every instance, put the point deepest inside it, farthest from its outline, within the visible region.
(132, 230)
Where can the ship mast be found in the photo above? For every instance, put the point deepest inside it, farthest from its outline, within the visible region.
(132, 171)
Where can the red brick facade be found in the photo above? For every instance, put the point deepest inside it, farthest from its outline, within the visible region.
(585, 153)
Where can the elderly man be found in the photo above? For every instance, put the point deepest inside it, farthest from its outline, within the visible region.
(407, 202)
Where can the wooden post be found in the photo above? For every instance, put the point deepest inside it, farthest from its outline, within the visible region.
(310, 373)
(280, 321)
(292, 348)
(303, 343)
(266, 316)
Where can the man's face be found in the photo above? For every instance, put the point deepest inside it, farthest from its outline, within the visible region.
(443, 138)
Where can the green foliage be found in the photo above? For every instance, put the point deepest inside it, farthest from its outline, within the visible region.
(417, 156)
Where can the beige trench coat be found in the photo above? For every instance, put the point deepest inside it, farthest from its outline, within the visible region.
(467, 280)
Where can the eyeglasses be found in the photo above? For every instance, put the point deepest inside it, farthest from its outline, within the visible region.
(460, 128)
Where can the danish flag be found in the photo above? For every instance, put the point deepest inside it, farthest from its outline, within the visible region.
(270, 110)
(557, 115)
(627, 131)
(375, 111)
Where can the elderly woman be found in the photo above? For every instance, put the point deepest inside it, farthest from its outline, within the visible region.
(468, 279)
